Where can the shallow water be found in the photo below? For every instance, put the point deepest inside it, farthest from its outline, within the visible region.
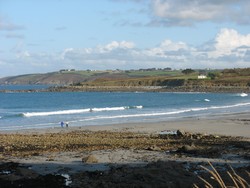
(43, 110)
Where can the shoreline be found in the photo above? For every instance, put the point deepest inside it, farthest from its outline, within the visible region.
(182, 89)
(236, 124)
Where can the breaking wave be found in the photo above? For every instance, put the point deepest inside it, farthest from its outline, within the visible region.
(166, 113)
(78, 111)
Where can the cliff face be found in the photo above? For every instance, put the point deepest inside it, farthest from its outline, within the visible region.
(170, 82)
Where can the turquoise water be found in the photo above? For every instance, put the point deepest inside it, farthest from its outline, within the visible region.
(43, 110)
(23, 87)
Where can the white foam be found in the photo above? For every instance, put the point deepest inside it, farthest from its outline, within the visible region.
(115, 108)
(243, 94)
(165, 113)
(61, 112)
(108, 109)
(78, 111)
(135, 115)
(230, 106)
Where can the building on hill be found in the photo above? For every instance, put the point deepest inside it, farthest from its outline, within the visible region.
(202, 76)
(67, 70)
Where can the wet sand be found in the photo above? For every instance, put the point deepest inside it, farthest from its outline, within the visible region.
(228, 124)
(125, 155)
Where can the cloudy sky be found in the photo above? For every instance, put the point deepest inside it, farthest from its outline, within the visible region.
(48, 35)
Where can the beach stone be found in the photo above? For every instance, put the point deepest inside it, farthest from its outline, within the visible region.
(180, 133)
(154, 148)
(196, 136)
(50, 159)
(188, 149)
(90, 159)
(1, 149)
(2, 157)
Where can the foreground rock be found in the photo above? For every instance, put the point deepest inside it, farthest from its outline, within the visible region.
(90, 159)
(156, 174)
(118, 159)
(13, 175)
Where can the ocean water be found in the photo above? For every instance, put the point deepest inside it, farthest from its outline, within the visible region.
(23, 87)
(44, 110)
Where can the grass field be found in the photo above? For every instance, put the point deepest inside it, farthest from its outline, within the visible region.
(145, 77)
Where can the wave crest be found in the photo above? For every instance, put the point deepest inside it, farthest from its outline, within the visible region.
(78, 111)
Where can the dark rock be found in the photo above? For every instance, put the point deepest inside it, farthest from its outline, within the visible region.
(154, 148)
(180, 133)
(12, 176)
(90, 159)
(188, 149)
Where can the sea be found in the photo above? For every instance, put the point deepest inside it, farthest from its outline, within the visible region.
(40, 110)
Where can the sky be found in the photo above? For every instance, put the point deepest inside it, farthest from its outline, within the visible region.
(48, 35)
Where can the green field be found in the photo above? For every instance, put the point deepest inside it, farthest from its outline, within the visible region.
(138, 73)
(144, 77)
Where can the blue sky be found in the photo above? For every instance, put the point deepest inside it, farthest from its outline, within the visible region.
(48, 35)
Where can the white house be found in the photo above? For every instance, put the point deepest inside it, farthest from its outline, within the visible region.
(202, 76)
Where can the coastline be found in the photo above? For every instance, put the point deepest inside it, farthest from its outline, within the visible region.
(199, 89)
(226, 125)
(237, 124)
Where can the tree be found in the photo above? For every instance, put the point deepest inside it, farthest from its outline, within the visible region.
(211, 75)
(188, 71)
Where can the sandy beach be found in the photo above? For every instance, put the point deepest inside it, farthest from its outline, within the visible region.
(227, 125)
(167, 154)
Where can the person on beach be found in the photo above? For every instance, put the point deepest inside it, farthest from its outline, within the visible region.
(62, 124)
(67, 124)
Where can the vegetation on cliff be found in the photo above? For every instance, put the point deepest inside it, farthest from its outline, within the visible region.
(236, 78)
(174, 80)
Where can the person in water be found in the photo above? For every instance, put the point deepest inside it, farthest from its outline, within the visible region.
(67, 124)
(62, 124)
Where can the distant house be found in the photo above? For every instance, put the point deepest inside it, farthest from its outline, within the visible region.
(67, 70)
(202, 76)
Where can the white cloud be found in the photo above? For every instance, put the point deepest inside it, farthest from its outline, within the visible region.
(170, 50)
(65, 51)
(180, 9)
(229, 49)
(187, 12)
(173, 46)
(230, 42)
(184, 13)
(116, 45)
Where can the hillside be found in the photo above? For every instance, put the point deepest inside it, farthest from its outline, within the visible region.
(227, 77)
(54, 78)
(75, 77)
(228, 80)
